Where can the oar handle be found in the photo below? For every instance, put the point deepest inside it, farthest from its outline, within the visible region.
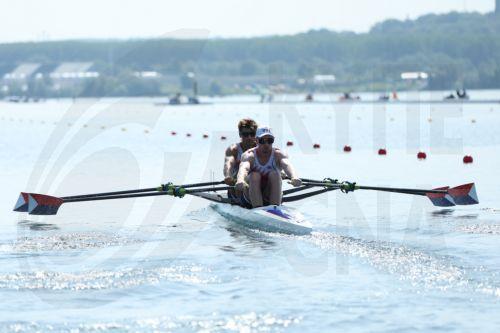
(202, 184)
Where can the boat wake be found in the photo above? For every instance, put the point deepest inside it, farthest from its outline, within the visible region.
(409, 264)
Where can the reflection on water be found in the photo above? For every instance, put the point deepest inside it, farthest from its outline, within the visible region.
(241, 235)
(467, 217)
(37, 226)
(443, 212)
(248, 237)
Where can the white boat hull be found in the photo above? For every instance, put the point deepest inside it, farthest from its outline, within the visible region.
(280, 219)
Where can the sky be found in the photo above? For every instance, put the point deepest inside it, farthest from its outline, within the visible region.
(41, 20)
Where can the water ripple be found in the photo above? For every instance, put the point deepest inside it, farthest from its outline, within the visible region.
(69, 241)
(249, 322)
(492, 229)
(98, 279)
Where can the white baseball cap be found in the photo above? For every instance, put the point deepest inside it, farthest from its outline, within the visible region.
(264, 131)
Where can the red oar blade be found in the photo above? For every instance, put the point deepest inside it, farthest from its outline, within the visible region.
(441, 199)
(40, 204)
(464, 194)
(22, 203)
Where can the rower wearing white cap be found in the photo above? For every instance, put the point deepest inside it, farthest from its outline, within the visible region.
(261, 167)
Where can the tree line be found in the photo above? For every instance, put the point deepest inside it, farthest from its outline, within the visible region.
(457, 50)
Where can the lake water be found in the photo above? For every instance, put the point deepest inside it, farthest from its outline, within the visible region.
(376, 262)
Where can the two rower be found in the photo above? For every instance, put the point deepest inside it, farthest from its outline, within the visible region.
(255, 168)
(259, 179)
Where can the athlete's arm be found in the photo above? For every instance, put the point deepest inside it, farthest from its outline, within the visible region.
(289, 170)
(244, 170)
(229, 162)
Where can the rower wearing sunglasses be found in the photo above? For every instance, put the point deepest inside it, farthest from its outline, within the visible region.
(259, 175)
(247, 129)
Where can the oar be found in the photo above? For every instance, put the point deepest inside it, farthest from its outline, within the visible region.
(292, 198)
(23, 200)
(441, 197)
(41, 204)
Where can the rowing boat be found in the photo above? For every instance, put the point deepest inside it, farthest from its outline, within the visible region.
(281, 219)
(275, 218)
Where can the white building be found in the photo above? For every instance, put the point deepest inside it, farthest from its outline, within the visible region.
(147, 75)
(414, 76)
(18, 77)
(74, 70)
(71, 74)
(22, 72)
(415, 80)
(327, 79)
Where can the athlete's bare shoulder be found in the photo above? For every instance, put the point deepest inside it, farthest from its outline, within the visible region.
(232, 150)
(248, 155)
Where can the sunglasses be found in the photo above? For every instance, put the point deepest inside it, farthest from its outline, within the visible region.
(247, 134)
(263, 141)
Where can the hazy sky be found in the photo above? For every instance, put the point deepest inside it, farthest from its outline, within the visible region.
(67, 19)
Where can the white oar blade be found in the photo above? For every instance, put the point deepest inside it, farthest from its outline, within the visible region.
(464, 194)
(441, 199)
(22, 203)
(40, 204)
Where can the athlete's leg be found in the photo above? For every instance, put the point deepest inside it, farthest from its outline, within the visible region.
(273, 188)
(255, 192)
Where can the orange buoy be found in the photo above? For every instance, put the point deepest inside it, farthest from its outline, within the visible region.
(289, 143)
(347, 149)
(382, 151)
(316, 146)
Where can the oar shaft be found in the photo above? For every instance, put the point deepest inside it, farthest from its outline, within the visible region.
(292, 198)
(400, 190)
(377, 188)
(140, 195)
(295, 190)
(111, 197)
(143, 190)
